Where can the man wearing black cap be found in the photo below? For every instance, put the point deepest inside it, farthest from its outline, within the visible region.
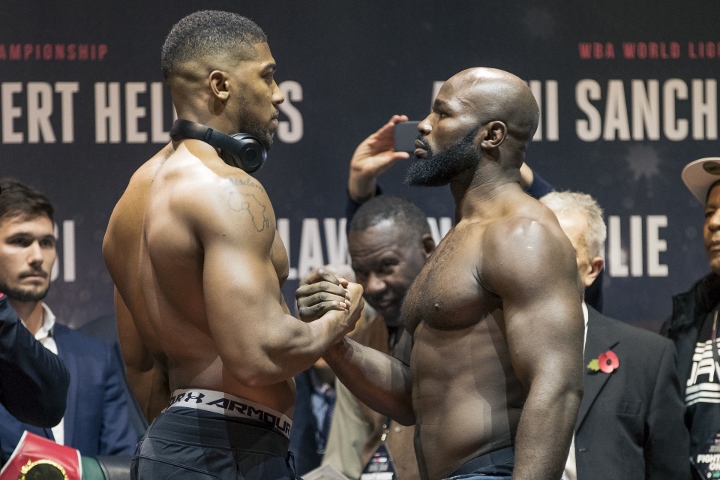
(693, 326)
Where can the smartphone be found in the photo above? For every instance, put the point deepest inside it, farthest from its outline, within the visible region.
(405, 135)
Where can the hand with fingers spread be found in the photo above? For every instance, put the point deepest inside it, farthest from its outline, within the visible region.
(372, 158)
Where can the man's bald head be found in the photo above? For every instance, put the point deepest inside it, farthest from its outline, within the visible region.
(479, 111)
(498, 95)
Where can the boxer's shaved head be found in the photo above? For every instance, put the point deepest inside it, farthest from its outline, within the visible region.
(208, 34)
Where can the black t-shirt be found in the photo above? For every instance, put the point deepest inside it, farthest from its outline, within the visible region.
(702, 395)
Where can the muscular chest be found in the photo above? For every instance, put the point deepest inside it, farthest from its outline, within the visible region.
(447, 293)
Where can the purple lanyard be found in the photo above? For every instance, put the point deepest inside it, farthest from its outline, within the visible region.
(713, 337)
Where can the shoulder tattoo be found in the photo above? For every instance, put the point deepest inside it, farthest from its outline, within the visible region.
(247, 182)
(244, 202)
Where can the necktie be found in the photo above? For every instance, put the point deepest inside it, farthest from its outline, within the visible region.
(329, 395)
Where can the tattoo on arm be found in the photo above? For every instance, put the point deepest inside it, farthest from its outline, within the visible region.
(239, 202)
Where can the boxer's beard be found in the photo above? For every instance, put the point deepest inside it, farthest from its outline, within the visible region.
(439, 168)
(263, 133)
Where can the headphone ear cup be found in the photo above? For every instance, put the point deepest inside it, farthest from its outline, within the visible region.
(240, 150)
(247, 153)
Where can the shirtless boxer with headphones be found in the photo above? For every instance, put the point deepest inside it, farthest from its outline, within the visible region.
(198, 264)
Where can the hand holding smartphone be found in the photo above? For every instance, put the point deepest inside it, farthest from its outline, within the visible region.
(405, 135)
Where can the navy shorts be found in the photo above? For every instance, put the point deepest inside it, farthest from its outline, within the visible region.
(495, 465)
(193, 444)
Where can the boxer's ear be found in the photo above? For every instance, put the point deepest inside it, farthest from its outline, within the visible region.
(493, 134)
(219, 85)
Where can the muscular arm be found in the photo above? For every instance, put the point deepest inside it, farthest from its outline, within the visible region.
(378, 380)
(259, 342)
(533, 270)
(147, 378)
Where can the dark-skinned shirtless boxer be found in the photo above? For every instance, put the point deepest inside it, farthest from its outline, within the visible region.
(494, 328)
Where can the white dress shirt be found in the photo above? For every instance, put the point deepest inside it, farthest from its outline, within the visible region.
(44, 335)
(570, 472)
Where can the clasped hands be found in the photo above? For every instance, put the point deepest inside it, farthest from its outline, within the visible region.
(322, 292)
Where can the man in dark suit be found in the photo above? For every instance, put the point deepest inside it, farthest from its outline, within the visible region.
(33, 381)
(105, 328)
(96, 418)
(630, 424)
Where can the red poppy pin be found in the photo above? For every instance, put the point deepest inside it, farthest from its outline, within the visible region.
(607, 362)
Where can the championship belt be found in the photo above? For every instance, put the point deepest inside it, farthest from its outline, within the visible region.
(37, 458)
(381, 465)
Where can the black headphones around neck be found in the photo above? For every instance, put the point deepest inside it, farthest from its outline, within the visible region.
(240, 150)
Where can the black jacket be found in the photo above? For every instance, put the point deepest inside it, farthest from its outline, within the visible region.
(33, 380)
(689, 311)
(630, 424)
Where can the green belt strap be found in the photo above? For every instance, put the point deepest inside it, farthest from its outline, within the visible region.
(91, 469)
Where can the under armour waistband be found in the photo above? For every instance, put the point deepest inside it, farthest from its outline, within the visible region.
(230, 406)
